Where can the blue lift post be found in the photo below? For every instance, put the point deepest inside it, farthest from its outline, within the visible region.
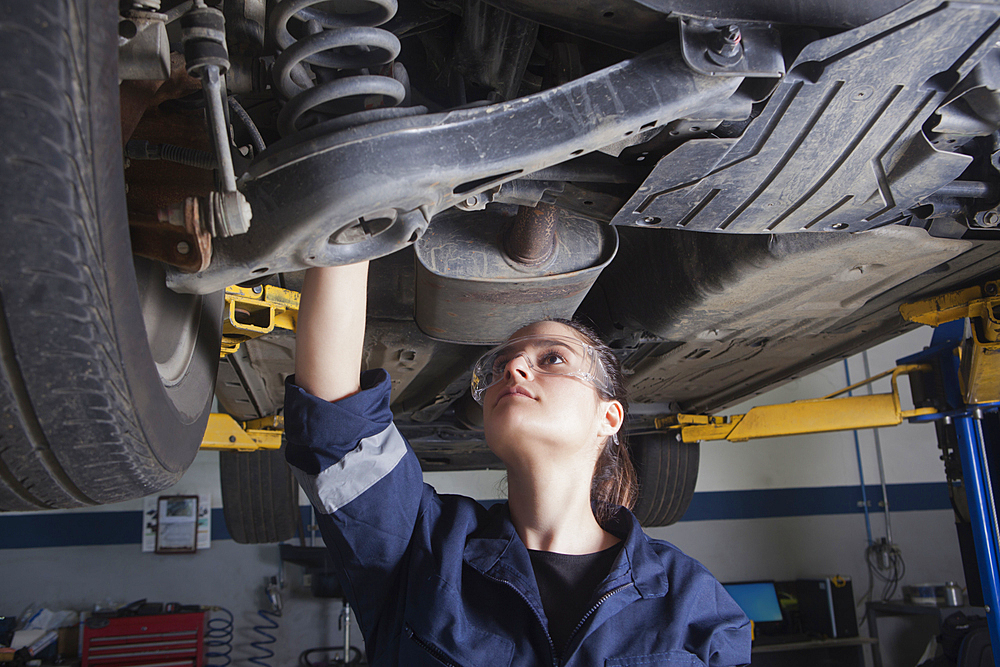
(945, 353)
(982, 509)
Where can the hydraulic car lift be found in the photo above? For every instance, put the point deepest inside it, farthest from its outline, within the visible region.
(966, 386)
(956, 380)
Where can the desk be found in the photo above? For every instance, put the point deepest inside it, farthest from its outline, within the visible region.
(843, 651)
(877, 610)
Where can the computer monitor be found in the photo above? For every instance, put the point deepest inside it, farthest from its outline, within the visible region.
(758, 600)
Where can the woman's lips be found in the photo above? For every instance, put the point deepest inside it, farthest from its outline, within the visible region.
(515, 391)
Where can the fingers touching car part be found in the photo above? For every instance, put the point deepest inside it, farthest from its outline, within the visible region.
(314, 207)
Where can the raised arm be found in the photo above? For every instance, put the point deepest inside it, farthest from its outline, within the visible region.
(357, 469)
(330, 333)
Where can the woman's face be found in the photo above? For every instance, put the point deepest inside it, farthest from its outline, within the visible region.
(530, 415)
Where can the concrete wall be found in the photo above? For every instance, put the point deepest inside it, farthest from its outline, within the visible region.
(792, 490)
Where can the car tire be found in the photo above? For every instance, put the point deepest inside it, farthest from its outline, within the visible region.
(260, 499)
(667, 470)
(92, 409)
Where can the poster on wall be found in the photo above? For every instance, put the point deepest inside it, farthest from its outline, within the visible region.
(150, 522)
(176, 524)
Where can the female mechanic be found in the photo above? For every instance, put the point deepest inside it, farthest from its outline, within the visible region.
(558, 575)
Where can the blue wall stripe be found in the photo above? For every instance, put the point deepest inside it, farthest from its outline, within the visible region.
(56, 529)
(63, 529)
(764, 503)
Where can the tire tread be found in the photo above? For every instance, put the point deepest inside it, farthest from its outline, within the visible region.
(667, 471)
(69, 433)
(260, 498)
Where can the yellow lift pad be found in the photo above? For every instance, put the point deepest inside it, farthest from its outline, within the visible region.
(255, 311)
(225, 433)
(980, 355)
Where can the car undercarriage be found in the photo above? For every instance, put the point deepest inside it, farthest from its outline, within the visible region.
(732, 194)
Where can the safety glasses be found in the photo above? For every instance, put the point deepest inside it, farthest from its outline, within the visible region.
(548, 355)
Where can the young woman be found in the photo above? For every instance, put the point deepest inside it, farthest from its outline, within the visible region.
(558, 575)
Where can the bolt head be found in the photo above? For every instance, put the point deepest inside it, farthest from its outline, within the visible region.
(724, 47)
(183, 247)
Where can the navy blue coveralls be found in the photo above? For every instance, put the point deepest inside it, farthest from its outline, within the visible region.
(438, 579)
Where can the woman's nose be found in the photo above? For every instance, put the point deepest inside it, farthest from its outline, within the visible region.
(519, 365)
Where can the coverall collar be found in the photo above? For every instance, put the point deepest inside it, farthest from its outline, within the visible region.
(497, 551)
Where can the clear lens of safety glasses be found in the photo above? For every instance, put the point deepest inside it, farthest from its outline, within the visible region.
(549, 355)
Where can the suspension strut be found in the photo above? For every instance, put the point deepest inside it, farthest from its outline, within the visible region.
(203, 31)
(325, 72)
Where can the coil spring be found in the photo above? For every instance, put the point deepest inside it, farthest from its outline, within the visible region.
(262, 646)
(326, 70)
(219, 639)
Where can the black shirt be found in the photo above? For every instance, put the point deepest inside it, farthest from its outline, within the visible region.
(566, 584)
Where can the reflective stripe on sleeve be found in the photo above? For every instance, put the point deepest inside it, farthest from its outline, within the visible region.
(359, 470)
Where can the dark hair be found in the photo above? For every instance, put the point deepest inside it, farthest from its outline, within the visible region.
(614, 482)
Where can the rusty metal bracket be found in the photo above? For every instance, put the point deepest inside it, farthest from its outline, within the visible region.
(254, 311)
(822, 415)
(980, 355)
(181, 237)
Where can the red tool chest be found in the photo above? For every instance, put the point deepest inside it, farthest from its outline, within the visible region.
(163, 640)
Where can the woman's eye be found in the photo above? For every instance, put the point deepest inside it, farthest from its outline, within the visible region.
(552, 359)
(499, 365)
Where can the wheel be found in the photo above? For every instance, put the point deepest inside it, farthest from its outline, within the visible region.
(106, 376)
(260, 499)
(667, 471)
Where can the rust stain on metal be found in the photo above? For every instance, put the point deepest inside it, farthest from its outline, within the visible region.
(537, 294)
(180, 237)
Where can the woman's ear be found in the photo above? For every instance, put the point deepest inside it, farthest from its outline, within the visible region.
(611, 419)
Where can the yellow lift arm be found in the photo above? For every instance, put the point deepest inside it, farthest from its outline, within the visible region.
(820, 415)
